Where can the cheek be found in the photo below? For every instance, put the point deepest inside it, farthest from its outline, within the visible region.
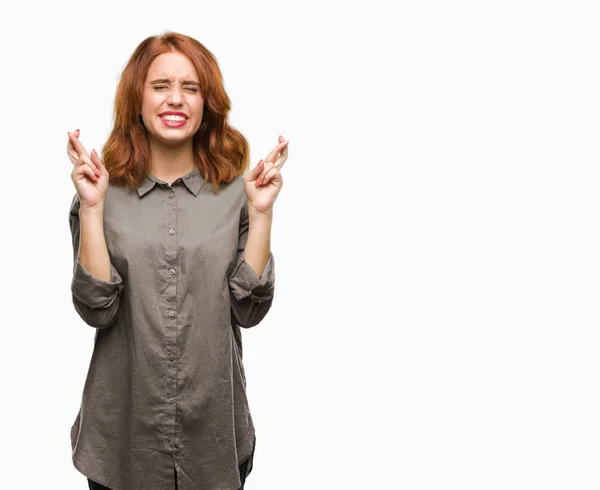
(149, 104)
(197, 105)
(199, 110)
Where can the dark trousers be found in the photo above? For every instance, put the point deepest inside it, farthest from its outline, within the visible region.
(243, 473)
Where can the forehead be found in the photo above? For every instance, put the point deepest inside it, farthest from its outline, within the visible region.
(172, 65)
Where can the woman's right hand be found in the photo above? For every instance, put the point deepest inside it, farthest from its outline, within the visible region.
(89, 174)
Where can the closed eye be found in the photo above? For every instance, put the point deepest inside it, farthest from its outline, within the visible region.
(160, 87)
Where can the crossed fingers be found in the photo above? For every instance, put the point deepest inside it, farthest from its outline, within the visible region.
(274, 161)
(79, 155)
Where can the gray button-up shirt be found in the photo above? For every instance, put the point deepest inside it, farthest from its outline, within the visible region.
(165, 394)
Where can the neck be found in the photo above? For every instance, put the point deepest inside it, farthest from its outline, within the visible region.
(170, 163)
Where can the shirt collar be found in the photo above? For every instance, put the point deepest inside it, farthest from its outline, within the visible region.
(193, 180)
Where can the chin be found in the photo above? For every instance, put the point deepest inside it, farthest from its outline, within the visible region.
(165, 139)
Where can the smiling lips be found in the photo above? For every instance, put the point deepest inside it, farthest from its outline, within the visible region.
(173, 121)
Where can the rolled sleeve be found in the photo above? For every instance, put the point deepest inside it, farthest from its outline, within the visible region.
(95, 300)
(95, 292)
(246, 283)
(251, 295)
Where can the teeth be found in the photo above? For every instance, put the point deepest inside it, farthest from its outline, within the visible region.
(174, 118)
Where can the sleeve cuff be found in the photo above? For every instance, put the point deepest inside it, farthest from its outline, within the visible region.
(245, 282)
(95, 292)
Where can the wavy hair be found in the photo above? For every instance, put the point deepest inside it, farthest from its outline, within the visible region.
(220, 151)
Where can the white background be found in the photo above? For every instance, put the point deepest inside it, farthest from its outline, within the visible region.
(436, 316)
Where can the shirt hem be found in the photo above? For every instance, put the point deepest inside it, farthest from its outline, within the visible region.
(79, 467)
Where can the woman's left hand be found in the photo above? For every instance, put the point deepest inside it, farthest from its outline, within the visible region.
(263, 182)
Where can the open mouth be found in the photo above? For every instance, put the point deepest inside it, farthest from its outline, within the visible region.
(173, 121)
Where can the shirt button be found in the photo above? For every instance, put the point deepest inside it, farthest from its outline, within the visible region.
(171, 356)
(171, 196)
(172, 271)
(171, 400)
(171, 313)
(171, 231)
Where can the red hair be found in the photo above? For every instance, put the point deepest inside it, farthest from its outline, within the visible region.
(220, 151)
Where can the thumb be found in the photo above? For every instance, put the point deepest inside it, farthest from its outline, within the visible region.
(256, 171)
(96, 159)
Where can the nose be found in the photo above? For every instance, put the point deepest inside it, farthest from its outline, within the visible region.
(174, 96)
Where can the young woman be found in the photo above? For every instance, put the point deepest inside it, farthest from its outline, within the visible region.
(171, 243)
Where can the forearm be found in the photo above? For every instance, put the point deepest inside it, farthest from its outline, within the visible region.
(258, 246)
(93, 253)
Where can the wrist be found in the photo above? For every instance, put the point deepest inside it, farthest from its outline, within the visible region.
(97, 210)
(253, 214)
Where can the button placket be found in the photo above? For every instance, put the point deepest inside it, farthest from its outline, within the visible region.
(170, 298)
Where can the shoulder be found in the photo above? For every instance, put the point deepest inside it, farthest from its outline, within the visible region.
(232, 192)
(240, 193)
(237, 184)
(113, 193)
(240, 187)
(232, 197)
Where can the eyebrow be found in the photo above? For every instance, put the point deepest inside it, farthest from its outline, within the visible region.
(184, 82)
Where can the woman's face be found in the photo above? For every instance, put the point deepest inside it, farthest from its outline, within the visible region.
(172, 86)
